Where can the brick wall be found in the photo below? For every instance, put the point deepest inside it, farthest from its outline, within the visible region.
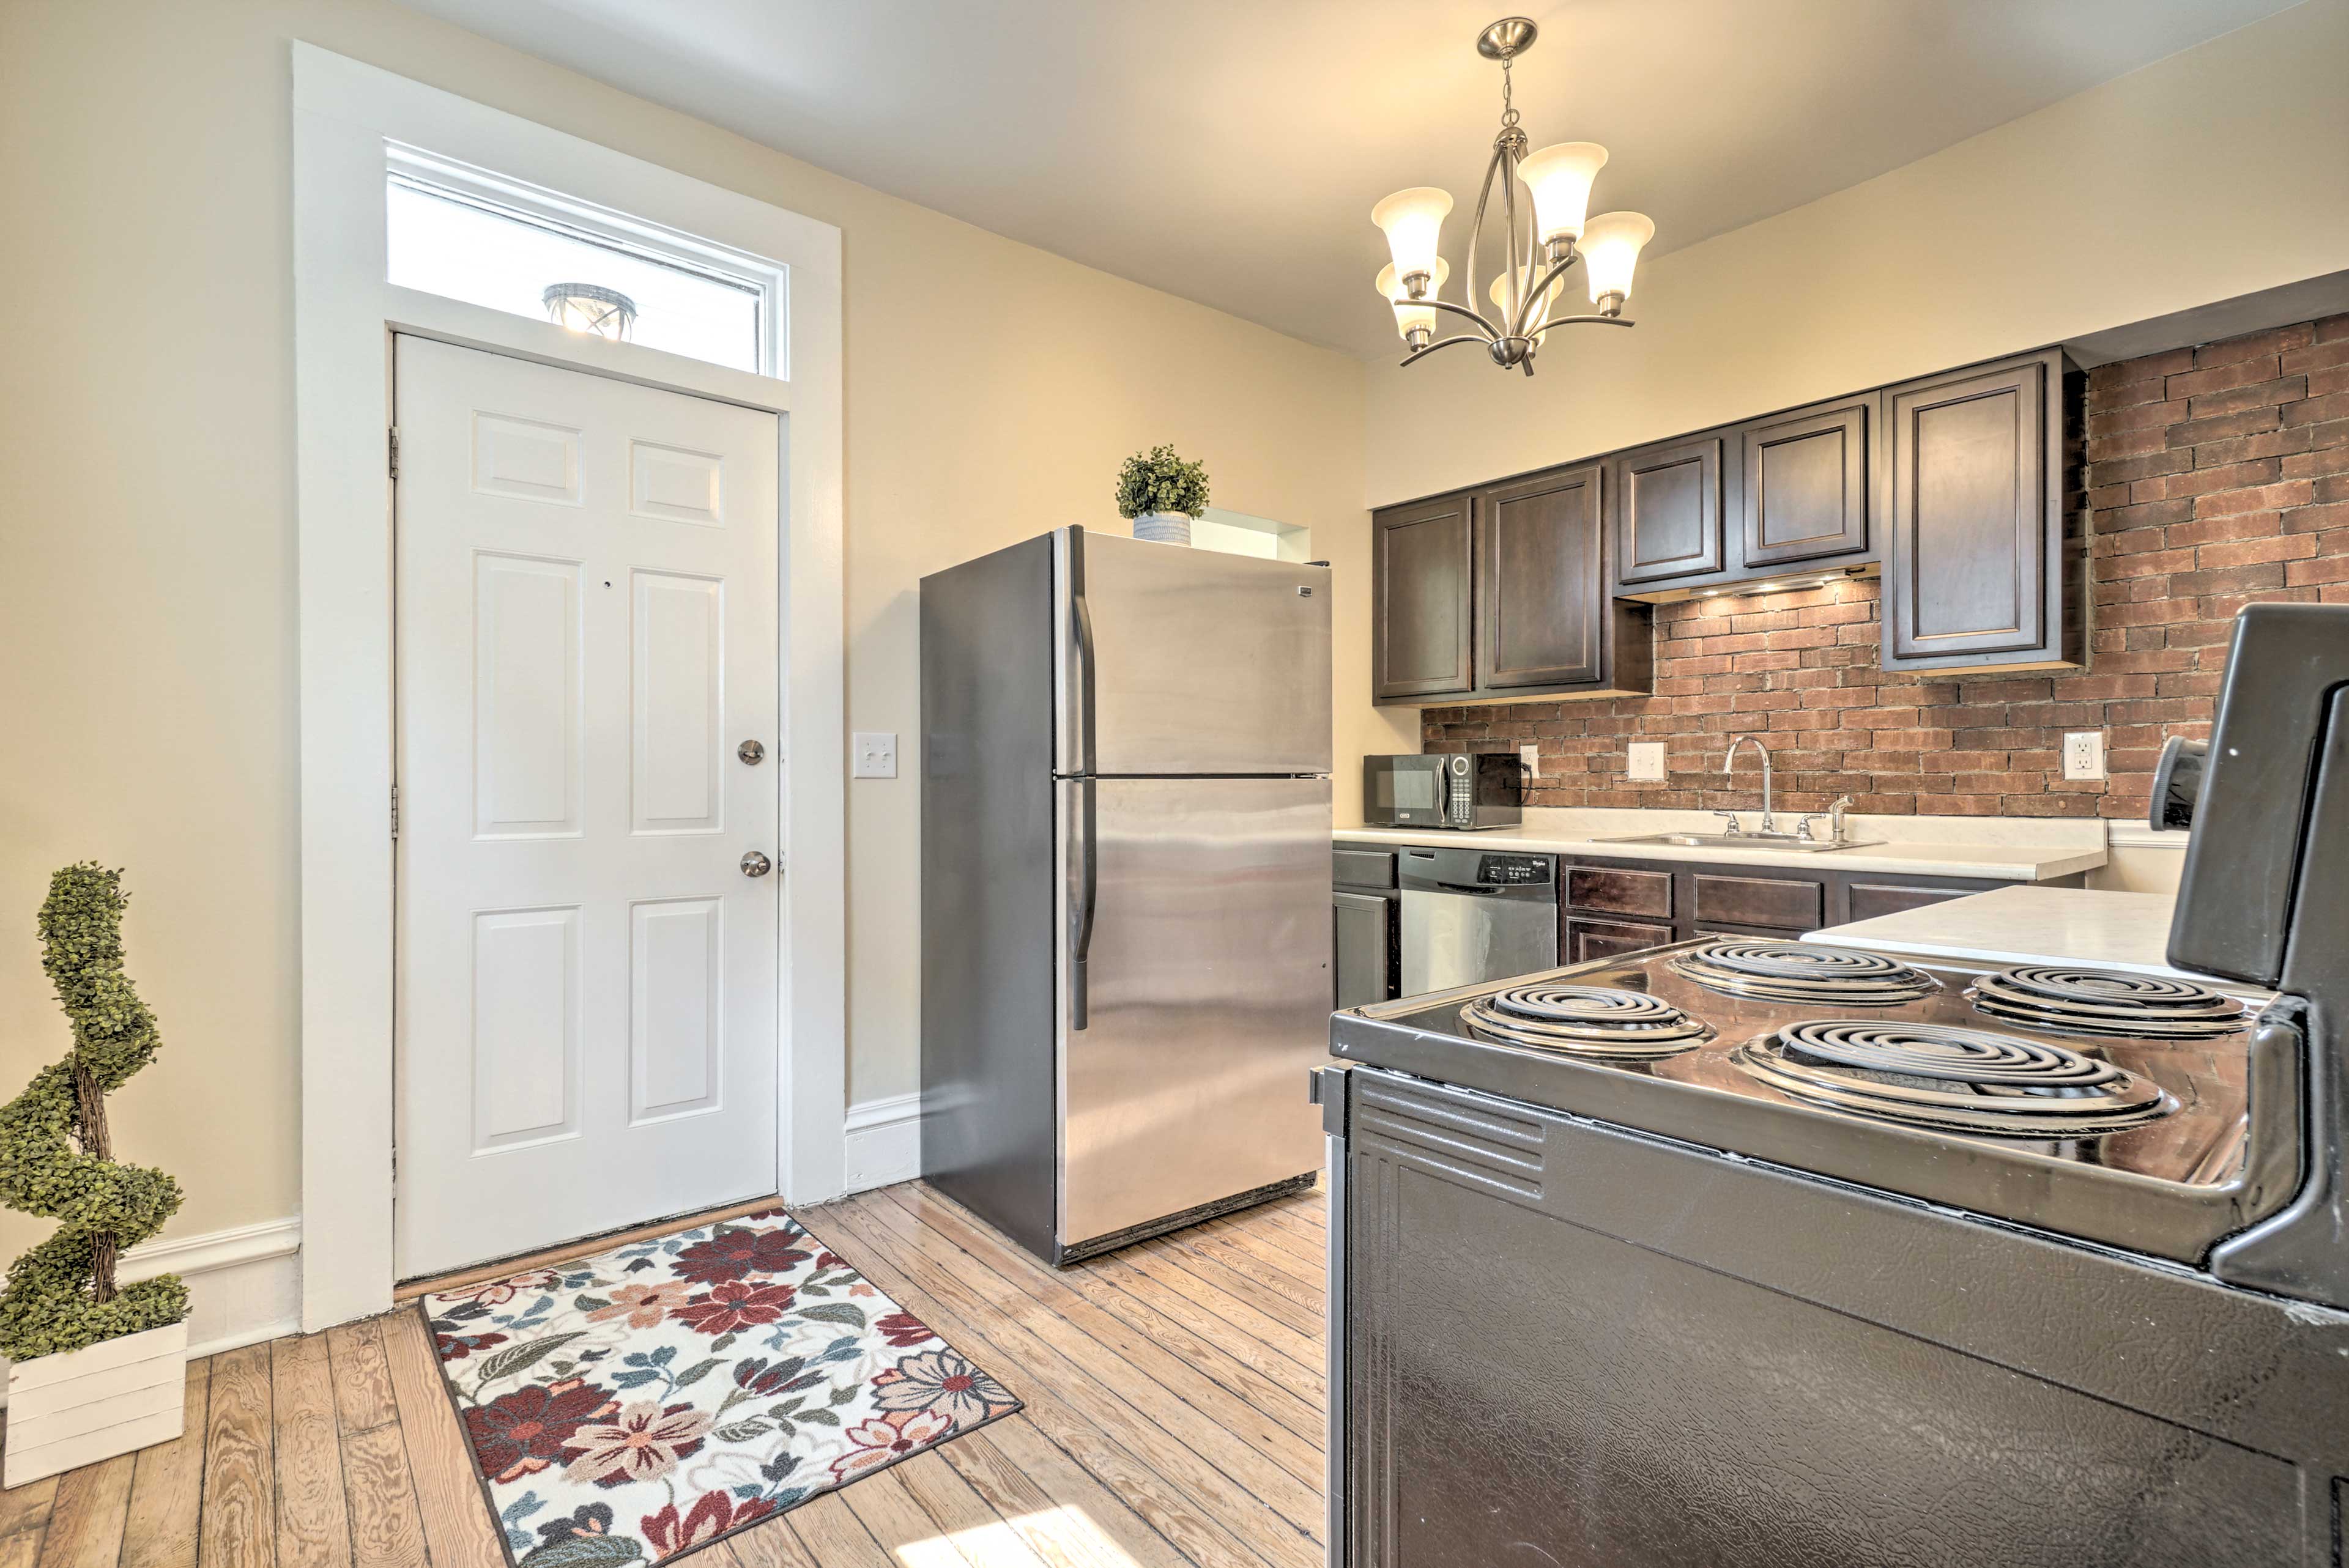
(2218, 476)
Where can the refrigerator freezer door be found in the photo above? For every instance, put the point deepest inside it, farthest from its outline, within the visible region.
(1188, 661)
(1207, 994)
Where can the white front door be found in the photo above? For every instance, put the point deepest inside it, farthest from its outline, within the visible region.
(587, 633)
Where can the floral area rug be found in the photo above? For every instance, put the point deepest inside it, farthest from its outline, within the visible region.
(640, 1404)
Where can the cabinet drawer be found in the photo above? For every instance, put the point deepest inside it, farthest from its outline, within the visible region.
(1869, 900)
(1620, 892)
(1363, 868)
(1755, 901)
(1590, 940)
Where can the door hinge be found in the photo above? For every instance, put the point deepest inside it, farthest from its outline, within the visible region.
(395, 811)
(394, 434)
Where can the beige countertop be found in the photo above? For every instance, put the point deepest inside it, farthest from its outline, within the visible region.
(1996, 849)
(2123, 931)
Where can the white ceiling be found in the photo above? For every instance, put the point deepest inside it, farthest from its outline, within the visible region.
(1230, 151)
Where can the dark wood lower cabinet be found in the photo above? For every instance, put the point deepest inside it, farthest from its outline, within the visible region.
(1611, 908)
(1867, 897)
(1591, 941)
(1368, 966)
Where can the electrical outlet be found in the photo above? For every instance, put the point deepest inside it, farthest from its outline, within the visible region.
(2084, 754)
(875, 753)
(1529, 757)
(1647, 760)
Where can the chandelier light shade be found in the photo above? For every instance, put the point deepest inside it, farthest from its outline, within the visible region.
(1560, 177)
(1610, 250)
(1409, 316)
(1544, 230)
(1498, 292)
(1414, 222)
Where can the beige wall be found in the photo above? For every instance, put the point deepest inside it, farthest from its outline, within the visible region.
(2213, 173)
(147, 545)
(147, 614)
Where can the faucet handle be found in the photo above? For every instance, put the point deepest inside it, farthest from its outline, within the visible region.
(1735, 827)
(1803, 827)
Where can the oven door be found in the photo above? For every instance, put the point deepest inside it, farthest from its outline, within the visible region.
(1403, 791)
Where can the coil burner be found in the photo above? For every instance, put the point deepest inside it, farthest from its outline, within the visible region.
(1586, 1021)
(1802, 972)
(2119, 1006)
(1964, 1080)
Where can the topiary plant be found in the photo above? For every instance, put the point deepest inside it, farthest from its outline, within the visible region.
(1158, 481)
(56, 1158)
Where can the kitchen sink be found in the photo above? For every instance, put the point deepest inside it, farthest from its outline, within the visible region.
(1741, 841)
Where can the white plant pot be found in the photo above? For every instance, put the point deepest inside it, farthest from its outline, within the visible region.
(1163, 527)
(92, 1404)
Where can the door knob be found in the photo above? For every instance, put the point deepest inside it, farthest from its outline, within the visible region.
(755, 865)
(751, 751)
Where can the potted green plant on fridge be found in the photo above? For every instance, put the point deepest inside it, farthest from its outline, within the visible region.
(97, 1367)
(1162, 493)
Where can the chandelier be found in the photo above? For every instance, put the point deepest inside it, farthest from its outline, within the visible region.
(1553, 236)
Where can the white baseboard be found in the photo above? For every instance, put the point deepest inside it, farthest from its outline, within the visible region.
(245, 1283)
(884, 1144)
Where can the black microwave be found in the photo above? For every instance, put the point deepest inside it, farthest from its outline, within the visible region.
(1458, 790)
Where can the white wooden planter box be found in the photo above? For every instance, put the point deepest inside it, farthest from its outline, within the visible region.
(89, 1404)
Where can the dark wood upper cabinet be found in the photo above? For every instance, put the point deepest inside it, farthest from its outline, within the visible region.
(1422, 580)
(1806, 482)
(1667, 510)
(1968, 487)
(1542, 596)
(1983, 568)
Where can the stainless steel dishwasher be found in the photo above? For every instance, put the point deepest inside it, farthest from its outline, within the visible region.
(1470, 916)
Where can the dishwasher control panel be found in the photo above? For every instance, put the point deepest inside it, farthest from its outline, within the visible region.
(1503, 870)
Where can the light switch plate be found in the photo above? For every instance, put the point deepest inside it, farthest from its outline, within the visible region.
(2084, 754)
(1529, 759)
(874, 754)
(1647, 760)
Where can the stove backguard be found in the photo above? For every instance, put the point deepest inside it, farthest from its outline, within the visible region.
(2266, 899)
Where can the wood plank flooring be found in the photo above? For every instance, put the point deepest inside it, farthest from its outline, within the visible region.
(1174, 1395)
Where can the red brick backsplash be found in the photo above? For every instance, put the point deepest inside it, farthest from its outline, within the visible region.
(2218, 476)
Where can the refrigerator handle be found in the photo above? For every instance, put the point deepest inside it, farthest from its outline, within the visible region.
(1080, 907)
(1081, 623)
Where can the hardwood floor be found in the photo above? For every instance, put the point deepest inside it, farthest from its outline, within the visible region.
(1173, 1416)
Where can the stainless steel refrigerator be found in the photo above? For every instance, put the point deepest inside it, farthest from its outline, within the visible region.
(1126, 923)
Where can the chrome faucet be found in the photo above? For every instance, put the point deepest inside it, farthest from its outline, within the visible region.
(1835, 822)
(1729, 762)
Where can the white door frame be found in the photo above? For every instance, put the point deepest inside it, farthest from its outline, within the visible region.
(346, 114)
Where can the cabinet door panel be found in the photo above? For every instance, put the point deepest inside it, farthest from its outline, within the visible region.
(1365, 947)
(1807, 483)
(1973, 515)
(1421, 626)
(1667, 510)
(1544, 597)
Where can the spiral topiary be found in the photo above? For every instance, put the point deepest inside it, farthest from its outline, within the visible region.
(56, 1159)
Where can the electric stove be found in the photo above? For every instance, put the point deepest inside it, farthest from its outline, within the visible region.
(2114, 1107)
(1755, 1251)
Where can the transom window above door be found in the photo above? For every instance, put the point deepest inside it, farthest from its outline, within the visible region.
(454, 231)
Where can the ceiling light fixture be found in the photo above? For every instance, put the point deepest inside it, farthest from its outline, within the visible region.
(590, 308)
(1555, 233)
